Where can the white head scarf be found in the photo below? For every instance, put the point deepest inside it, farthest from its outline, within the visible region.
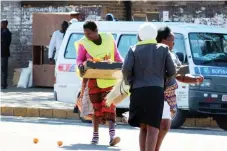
(73, 20)
(147, 31)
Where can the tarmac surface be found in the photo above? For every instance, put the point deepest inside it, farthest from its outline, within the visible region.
(17, 133)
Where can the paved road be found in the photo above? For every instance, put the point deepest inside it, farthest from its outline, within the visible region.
(17, 134)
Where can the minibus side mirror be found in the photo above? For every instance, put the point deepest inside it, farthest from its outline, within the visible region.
(180, 56)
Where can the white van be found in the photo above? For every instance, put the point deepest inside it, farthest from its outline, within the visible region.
(203, 48)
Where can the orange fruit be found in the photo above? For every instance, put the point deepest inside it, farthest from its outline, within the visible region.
(59, 143)
(97, 59)
(35, 140)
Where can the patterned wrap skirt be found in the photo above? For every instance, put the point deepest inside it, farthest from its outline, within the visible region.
(169, 93)
(97, 97)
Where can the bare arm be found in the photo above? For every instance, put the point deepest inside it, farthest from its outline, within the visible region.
(183, 70)
(117, 55)
(52, 46)
(81, 55)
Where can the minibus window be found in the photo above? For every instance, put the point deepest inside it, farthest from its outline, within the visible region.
(115, 36)
(70, 51)
(126, 40)
(179, 45)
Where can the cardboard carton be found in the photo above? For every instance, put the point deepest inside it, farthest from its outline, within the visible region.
(16, 76)
(102, 70)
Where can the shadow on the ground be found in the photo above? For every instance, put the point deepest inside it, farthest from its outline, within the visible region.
(201, 131)
(89, 147)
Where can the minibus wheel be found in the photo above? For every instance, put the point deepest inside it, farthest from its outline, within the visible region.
(178, 119)
(222, 122)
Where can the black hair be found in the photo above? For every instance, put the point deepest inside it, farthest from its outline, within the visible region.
(163, 33)
(65, 23)
(90, 24)
(5, 21)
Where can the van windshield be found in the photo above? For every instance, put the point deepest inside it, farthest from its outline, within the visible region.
(70, 51)
(209, 48)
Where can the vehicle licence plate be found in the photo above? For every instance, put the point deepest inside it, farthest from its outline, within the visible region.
(224, 98)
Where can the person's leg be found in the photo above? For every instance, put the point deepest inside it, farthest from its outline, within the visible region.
(164, 128)
(4, 77)
(113, 139)
(151, 139)
(109, 115)
(111, 129)
(165, 125)
(96, 118)
(95, 121)
(95, 98)
(142, 137)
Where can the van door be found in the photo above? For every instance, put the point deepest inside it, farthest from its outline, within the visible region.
(67, 82)
(183, 88)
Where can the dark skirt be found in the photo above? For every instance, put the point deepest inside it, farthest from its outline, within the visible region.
(146, 106)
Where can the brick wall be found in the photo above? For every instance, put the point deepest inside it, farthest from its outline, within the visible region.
(12, 12)
(210, 13)
(19, 16)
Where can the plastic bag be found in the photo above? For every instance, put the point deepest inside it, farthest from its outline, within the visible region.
(24, 78)
(30, 71)
(87, 107)
(126, 116)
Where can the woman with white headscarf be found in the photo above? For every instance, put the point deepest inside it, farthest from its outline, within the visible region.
(73, 20)
(110, 17)
(145, 68)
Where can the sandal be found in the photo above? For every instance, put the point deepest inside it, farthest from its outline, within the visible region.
(94, 142)
(115, 141)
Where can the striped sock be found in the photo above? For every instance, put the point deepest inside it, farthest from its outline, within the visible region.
(95, 138)
(111, 129)
(112, 133)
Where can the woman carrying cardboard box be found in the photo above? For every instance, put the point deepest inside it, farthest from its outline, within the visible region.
(99, 46)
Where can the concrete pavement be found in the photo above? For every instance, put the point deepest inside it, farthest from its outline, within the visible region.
(17, 133)
(39, 102)
(31, 97)
(34, 102)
